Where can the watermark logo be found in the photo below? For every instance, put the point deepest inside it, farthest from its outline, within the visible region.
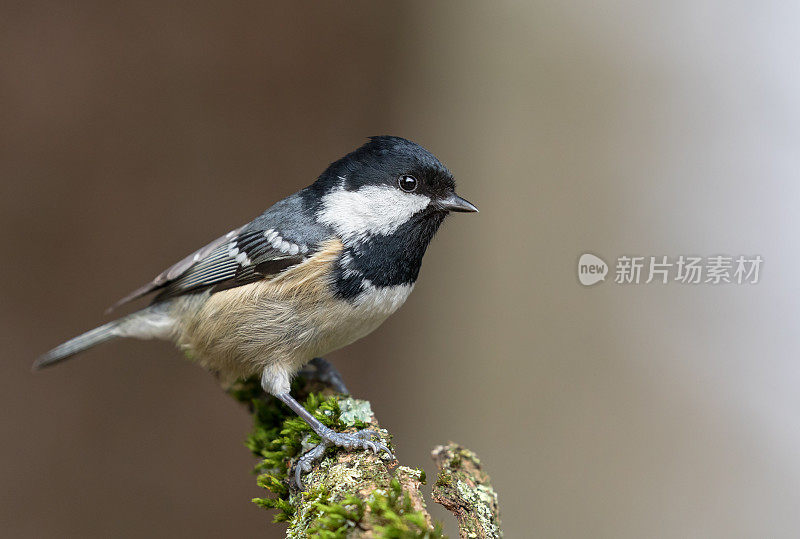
(591, 269)
(684, 269)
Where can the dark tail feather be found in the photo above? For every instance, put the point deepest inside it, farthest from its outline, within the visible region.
(80, 343)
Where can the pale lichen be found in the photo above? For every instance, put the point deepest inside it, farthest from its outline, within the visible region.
(481, 499)
(465, 489)
(354, 411)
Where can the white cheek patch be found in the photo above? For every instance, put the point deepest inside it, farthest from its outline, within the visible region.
(370, 210)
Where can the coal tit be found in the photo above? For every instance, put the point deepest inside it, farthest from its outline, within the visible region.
(315, 272)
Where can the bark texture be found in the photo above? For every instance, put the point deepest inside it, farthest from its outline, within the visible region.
(348, 493)
(465, 490)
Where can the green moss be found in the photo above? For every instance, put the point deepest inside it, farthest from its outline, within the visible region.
(394, 515)
(278, 435)
(335, 520)
(332, 510)
(389, 514)
(444, 479)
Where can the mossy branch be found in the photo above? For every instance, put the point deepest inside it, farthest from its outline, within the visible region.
(464, 489)
(348, 493)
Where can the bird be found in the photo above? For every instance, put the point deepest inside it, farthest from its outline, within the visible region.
(315, 272)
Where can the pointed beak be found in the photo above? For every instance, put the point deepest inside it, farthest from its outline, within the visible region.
(456, 203)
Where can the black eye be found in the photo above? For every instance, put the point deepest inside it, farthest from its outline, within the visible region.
(407, 183)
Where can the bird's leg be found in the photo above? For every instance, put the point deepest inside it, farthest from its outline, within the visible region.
(324, 371)
(329, 437)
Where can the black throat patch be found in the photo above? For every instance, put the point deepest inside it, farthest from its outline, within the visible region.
(387, 260)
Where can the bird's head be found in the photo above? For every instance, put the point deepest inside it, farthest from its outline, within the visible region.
(386, 186)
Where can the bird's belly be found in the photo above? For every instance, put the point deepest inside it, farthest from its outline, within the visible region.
(347, 321)
(239, 332)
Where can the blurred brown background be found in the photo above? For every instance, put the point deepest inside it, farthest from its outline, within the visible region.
(132, 133)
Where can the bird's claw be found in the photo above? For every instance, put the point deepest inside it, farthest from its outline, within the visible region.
(305, 462)
(356, 440)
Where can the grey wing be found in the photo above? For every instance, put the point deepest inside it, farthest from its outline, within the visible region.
(177, 270)
(281, 237)
(250, 255)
